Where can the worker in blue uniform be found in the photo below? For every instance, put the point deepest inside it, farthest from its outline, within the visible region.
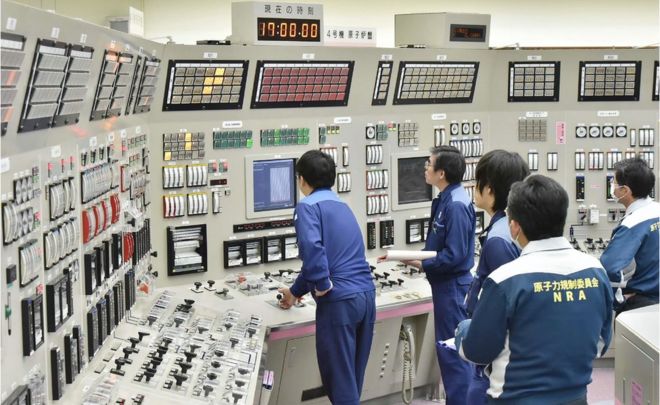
(496, 171)
(543, 318)
(336, 273)
(631, 257)
(451, 235)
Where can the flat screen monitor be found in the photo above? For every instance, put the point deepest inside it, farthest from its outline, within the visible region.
(271, 188)
(408, 183)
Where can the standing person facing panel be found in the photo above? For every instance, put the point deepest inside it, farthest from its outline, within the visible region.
(496, 171)
(631, 258)
(451, 235)
(541, 319)
(335, 270)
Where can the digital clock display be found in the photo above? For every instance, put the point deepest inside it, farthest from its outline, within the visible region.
(467, 33)
(288, 29)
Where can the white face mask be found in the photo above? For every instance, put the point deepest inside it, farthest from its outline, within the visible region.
(612, 189)
(515, 242)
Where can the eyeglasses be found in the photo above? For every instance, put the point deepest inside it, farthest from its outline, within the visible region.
(427, 163)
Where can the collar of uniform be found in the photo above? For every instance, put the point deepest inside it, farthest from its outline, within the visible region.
(319, 194)
(447, 191)
(637, 204)
(498, 215)
(543, 245)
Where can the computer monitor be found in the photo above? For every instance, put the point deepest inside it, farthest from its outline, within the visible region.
(409, 187)
(270, 186)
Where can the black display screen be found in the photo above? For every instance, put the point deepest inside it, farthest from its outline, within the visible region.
(412, 187)
(467, 33)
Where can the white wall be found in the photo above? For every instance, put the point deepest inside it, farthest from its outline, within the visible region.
(526, 22)
(94, 11)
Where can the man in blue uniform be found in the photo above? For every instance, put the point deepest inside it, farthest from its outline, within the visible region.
(336, 272)
(631, 258)
(541, 319)
(451, 235)
(496, 171)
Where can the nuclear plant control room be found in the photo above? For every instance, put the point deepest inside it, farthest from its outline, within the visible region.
(329, 202)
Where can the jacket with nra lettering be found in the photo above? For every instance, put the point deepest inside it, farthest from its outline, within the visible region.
(539, 323)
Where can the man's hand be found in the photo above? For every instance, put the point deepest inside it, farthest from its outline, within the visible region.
(381, 259)
(288, 299)
(413, 263)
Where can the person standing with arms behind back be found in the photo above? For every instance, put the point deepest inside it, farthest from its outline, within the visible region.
(496, 171)
(543, 318)
(451, 235)
(336, 272)
(632, 256)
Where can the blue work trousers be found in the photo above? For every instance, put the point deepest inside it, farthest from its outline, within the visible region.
(478, 386)
(344, 331)
(448, 311)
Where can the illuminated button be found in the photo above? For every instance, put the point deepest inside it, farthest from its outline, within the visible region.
(207, 89)
(217, 81)
(168, 156)
(208, 81)
(219, 71)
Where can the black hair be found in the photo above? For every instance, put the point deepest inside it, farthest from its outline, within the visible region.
(539, 204)
(449, 159)
(635, 174)
(499, 169)
(317, 168)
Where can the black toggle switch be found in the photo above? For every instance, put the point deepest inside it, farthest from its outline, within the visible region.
(207, 390)
(166, 341)
(189, 302)
(118, 363)
(189, 356)
(215, 364)
(224, 292)
(198, 284)
(180, 378)
(237, 396)
(212, 376)
(148, 375)
(219, 352)
(234, 342)
(392, 283)
(128, 351)
(267, 275)
(243, 371)
(141, 335)
(239, 383)
(399, 280)
(279, 296)
(251, 331)
(384, 284)
(372, 268)
(151, 319)
(184, 367)
(210, 283)
(386, 274)
(194, 347)
(134, 341)
(202, 329)
(178, 321)
(228, 325)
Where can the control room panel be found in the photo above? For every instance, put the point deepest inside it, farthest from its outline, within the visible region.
(148, 193)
